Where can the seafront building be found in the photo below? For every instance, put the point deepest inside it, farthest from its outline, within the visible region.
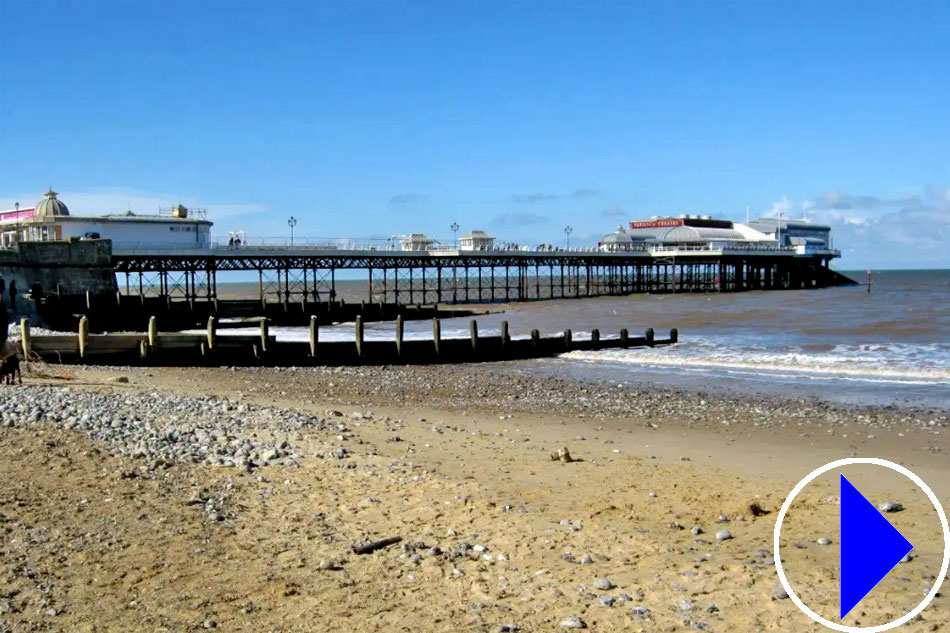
(49, 220)
(477, 241)
(699, 232)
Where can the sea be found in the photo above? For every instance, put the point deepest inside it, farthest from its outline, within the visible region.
(887, 347)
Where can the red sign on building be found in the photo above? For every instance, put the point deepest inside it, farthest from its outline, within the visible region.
(655, 224)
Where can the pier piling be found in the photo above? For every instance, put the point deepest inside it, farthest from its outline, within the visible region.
(83, 336)
(314, 335)
(152, 331)
(212, 332)
(25, 338)
(399, 335)
(358, 327)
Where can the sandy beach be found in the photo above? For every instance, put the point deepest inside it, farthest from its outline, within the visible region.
(182, 531)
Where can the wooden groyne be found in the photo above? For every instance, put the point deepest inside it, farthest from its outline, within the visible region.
(117, 312)
(262, 349)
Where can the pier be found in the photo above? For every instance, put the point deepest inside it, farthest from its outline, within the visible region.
(309, 274)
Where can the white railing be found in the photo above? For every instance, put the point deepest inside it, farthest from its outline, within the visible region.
(344, 244)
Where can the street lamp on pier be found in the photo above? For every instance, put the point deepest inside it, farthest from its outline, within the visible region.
(292, 222)
(567, 231)
(455, 230)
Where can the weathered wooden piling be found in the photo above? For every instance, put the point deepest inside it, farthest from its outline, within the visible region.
(567, 339)
(649, 336)
(25, 338)
(505, 338)
(399, 335)
(358, 326)
(436, 335)
(473, 333)
(595, 338)
(152, 331)
(624, 338)
(535, 338)
(265, 333)
(212, 332)
(88, 300)
(314, 334)
(674, 335)
(83, 336)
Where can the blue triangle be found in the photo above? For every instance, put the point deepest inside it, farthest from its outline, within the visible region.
(870, 547)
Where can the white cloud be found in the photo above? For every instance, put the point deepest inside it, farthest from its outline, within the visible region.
(900, 232)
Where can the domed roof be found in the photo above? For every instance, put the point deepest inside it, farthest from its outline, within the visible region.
(50, 207)
(620, 236)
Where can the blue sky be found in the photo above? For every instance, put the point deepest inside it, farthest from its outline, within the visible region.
(375, 118)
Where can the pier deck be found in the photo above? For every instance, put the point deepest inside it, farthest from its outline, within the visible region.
(309, 274)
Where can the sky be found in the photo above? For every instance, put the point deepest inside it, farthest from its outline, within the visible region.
(369, 119)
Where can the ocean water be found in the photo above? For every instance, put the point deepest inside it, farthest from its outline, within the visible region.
(889, 346)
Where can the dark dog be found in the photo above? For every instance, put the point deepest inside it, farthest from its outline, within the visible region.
(10, 369)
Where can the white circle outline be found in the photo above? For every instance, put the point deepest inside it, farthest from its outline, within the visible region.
(946, 544)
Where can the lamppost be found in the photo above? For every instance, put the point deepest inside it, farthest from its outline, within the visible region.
(292, 222)
(567, 232)
(455, 230)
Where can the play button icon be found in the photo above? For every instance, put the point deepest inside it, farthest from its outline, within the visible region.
(870, 547)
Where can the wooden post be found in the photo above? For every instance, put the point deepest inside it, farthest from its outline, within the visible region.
(505, 337)
(473, 332)
(358, 326)
(649, 336)
(265, 331)
(674, 335)
(436, 335)
(83, 336)
(399, 334)
(869, 280)
(595, 338)
(535, 338)
(88, 300)
(152, 331)
(212, 331)
(143, 349)
(568, 336)
(624, 338)
(314, 334)
(25, 338)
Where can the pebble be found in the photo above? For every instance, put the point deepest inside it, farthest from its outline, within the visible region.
(607, 601)
(696, 531)
(163, 429)
(603, 584)
(573, 623)
(779, 593)
(824, 541)
(723, 535)
(890, 506)
(587, 560)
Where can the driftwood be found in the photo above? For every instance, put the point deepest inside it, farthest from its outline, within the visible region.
(368, 547)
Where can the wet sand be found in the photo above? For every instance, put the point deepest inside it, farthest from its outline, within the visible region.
(457, 458)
